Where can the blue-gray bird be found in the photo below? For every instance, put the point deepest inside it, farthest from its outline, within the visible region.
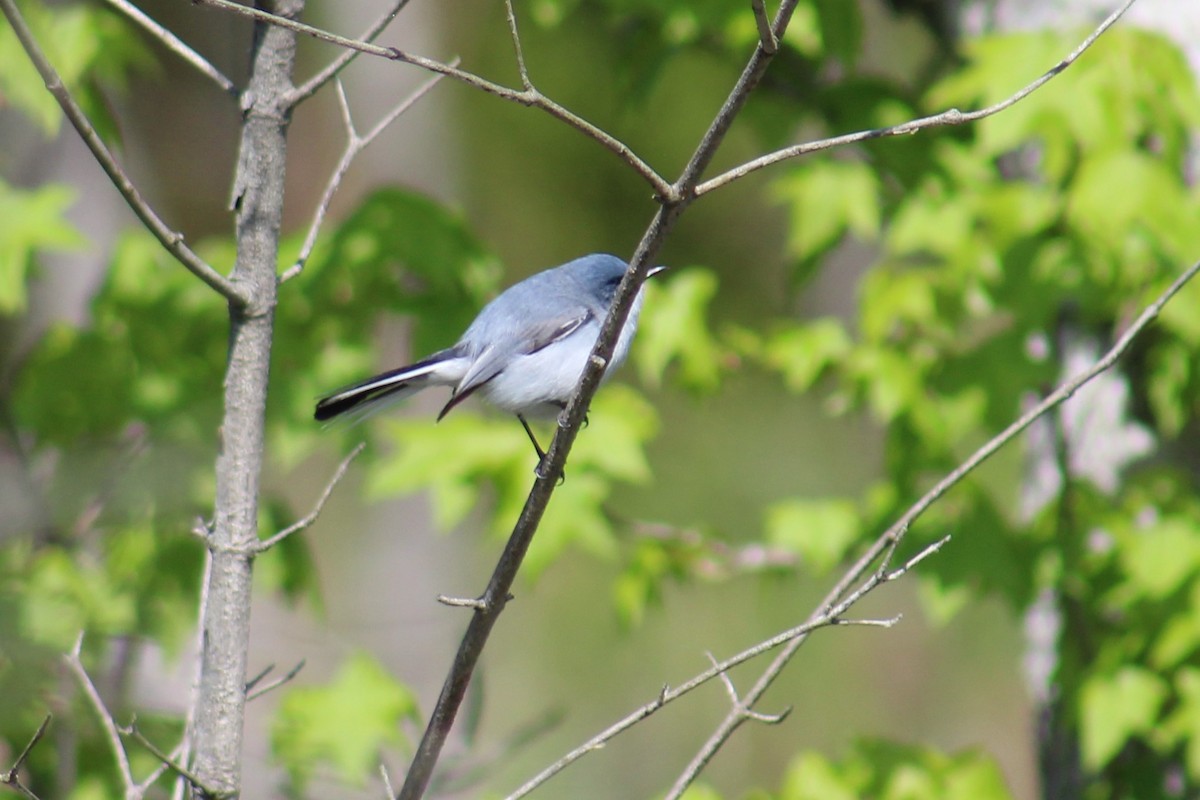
(524, 353)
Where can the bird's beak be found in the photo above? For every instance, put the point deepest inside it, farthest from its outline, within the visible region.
(650, 273)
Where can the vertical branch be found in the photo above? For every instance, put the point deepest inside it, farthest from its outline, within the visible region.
(258, 201)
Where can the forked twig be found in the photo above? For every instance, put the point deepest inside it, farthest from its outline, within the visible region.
(12, 778)
(334, 68)
(355, 144)
(311, 517)
(886, 544)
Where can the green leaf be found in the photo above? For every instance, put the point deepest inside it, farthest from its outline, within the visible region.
(1185, 719)
(1115, 708)
(458, 457)
(1159, 559)
(821, 531)
(803, 353)
(674, 328)
(841, 29)
(30, 221)
(811, 776)
(827, 199)
(344, 724)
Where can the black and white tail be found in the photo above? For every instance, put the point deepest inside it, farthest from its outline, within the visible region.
(365, 397)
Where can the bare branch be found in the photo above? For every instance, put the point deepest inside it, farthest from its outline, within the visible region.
(949, 117)
(171, 240)
(12, 778)
(387, 781)
(530, 98)
(516, 40)
(462, 602)
(766, 36)
(167, 761)
(354, 145)
(275, 684)
(334, 68)
(311, 517)
(888, 540)
(175, 45)
(106, 719)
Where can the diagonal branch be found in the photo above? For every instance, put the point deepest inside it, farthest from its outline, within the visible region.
(334, 68)
(308, 519)
(949, 117)
(12, 778)
(829, 617)
(175, 45)
(171, 240)
(75, 664)
(889, 539)
(529, 97)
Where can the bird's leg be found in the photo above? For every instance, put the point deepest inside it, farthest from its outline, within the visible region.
(529, 432)
(540, 452)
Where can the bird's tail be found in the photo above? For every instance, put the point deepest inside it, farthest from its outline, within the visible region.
(366, 396)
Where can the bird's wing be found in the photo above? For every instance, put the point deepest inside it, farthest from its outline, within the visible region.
(493, 359)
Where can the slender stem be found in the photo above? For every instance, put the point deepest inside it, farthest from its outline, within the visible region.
(343, 60)
(949, 117)
(308, 519)
(175, 44)
(172, 240)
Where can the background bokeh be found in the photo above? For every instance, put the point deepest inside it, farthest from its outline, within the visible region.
(537, 193)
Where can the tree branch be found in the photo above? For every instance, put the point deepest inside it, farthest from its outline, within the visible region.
(311, 517)
(949, 117)
(218, 714)
(887, 542)
(172, 240)
(12, 778)
(343, 60)
(530, 97)
(74, 663)
(175, 45)
(829, 617)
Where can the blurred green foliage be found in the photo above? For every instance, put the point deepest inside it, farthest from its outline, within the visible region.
(996, 247)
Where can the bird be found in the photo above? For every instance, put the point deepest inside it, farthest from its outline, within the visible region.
(524, 353)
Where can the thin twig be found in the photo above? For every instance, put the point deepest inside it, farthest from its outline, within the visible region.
(168, 761)
(517, 49)
(275, 684)
(354, 145)
(949, 117)
(387, 781)
(334, 68)
(175, 45)
(12, 778)
(311, 517)
(462, 602)
(828, 618)
(172, 240)
(530, 98)
(75, 664)
(766, 36)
